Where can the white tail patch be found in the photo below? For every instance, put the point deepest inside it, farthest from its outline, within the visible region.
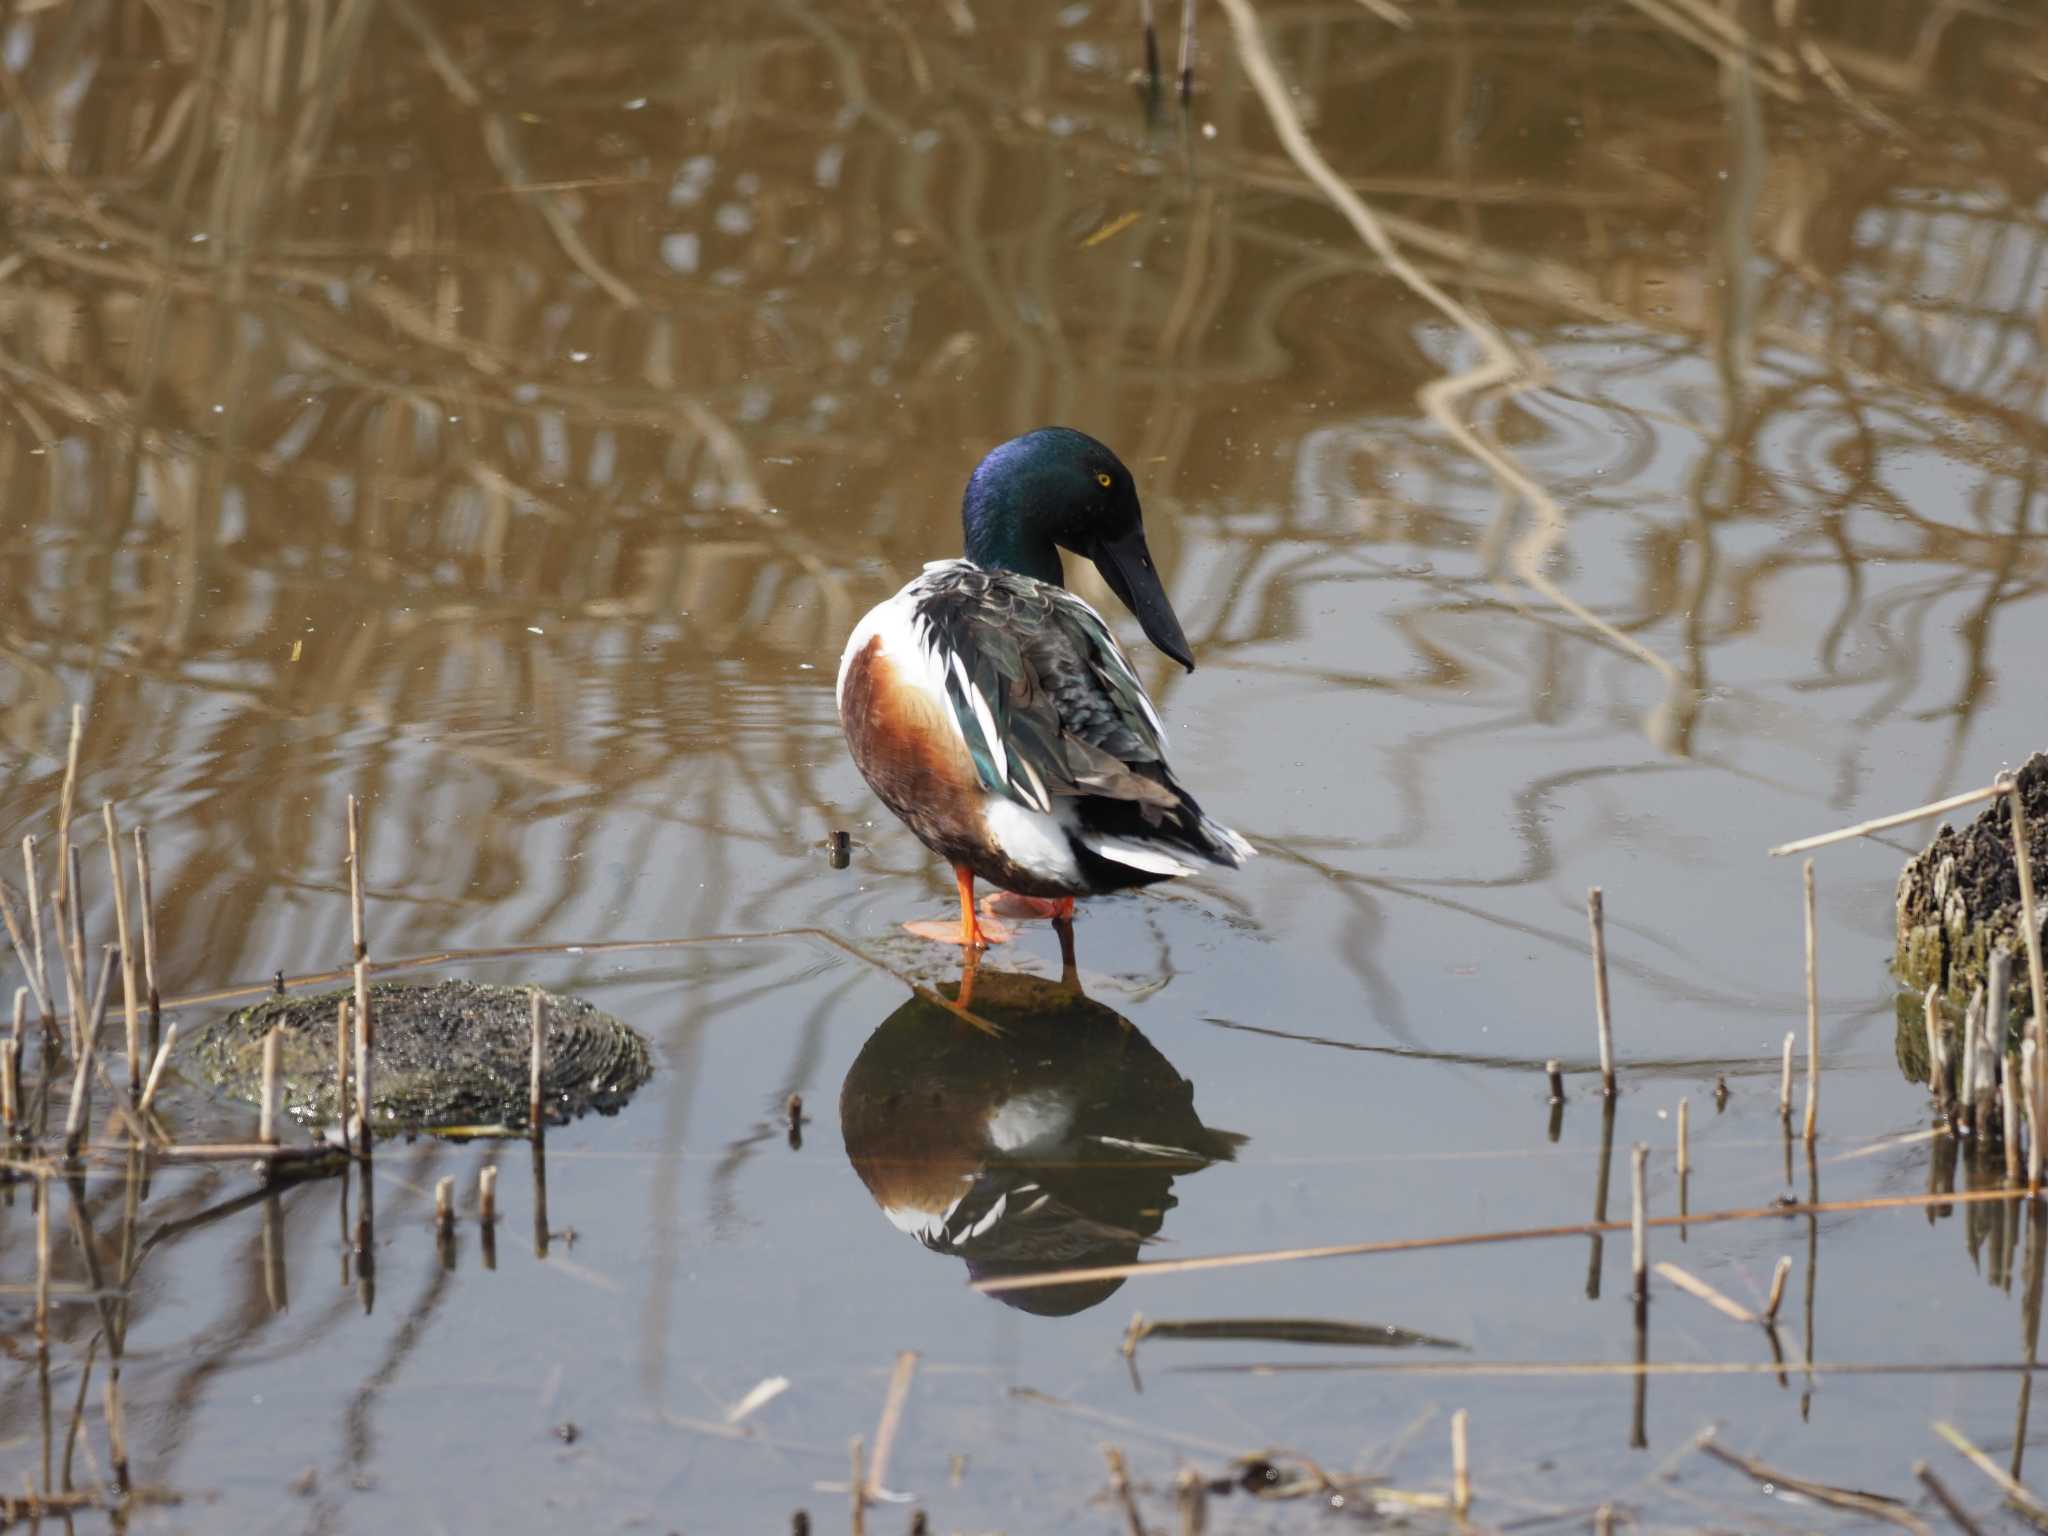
(1234, 848)
(1033, 841)
(1153, 860)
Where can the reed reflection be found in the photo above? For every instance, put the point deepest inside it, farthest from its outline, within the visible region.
(1053, 1144)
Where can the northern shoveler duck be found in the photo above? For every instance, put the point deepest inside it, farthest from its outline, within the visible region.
(993, 711)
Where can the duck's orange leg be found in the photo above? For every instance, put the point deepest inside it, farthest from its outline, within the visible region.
(972, 933)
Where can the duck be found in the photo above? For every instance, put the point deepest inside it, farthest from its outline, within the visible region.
(995, 714)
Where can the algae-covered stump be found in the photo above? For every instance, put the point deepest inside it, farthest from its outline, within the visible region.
(451, 1055)
(1960, 898)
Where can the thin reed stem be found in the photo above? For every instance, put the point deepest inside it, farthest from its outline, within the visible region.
(1812, 1017)
(1603, 1017)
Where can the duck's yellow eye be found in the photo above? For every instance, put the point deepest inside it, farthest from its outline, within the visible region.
(1102, 479)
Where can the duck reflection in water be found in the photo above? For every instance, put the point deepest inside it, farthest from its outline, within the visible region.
(1052, 1145)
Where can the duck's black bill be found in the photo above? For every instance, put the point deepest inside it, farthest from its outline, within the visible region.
(1126, 564)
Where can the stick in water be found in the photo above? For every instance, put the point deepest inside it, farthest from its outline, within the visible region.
(1882, 823)
(267, 1122)
(444, 1205)
(1684, 1149)
(533, 1092)
(156, 1068)
(1555, 1072)
(1596, 917)
(1461, 1466)
(1785, 1080)
(1812, 1018)
(487, 1195)
(1778, 1278)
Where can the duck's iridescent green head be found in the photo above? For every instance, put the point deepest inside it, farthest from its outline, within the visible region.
(1057, 489)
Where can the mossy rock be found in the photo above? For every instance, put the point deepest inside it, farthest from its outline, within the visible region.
(450, 1055)
(1960, 898)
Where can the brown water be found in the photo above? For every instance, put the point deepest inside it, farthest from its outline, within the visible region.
(504, 412)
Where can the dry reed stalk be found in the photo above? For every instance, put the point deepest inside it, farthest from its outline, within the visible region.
(7, 1115)
(30, 874)
(857, 1486)
(1883, 823)
(25, 955)
(1554, 1073)
(891, 1420)
(1191, 1499)
(156, 1068)
(1956, 1513)
(1812, 1017)
(444, 1206)
(1778, 1278)
(1461, 1467)
(2013, 1488)
(1785, 1080)
(1684, 1140)
(13, 1060)
(1603, 1017)
(1120, 1489)
(1261, 1256)
(533, 1091)
(78, 1116)
(2030, 918)
(487, 1195)
(1876, 1506)
(2030, 1071)
(356, 904)
(1639, 1157)
(148, 895)
(266, 1124)
(1692, 1285)
(71, 949)
(366, 1024)
(130, 1003)
(117, 1431)
(365, 1020)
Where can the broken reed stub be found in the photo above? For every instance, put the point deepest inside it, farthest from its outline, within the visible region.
(1812, 1016)
(267, 1119)
(444, 1205)
(1554, 1072)
(1603, 1016)
(839, 850)
(487, 1194)
(1461, 1465)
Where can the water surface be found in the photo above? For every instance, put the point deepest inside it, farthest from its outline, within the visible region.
(503, 413)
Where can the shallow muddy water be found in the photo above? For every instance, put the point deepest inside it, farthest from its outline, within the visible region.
(503, 413)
